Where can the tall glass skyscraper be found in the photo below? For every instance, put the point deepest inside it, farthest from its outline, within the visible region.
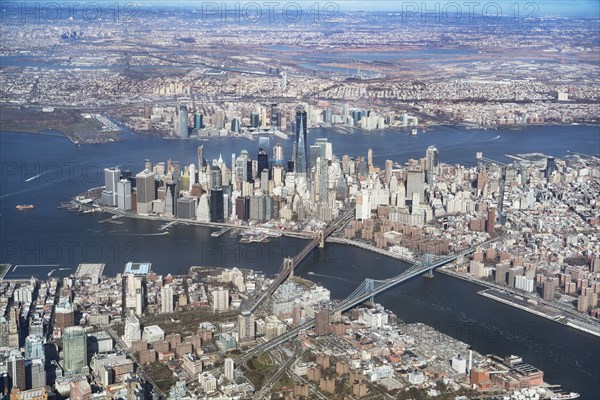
(301, 143)
(75, 350)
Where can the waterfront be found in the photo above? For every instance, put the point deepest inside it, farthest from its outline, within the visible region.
(47, 235)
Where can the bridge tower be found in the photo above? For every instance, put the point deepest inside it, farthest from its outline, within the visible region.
(321, 236)
(288, 265)
(428, 261)
(370, 287)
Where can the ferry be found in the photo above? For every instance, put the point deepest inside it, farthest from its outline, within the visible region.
(564, 396)
(21, 207)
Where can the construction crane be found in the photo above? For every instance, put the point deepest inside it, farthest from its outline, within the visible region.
(501, 184)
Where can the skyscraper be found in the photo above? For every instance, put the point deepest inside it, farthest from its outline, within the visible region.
(75, 350)
(216, 205)
(145, 191)
(198, 121)
(166, 302)
(275, 117)
(263, 160)
(182, 129)
(124, 194)
(109, 194)
(322, 322)
(278, 154)
(301, 143)
(34, 347)
(229, 368)
(200, 160)
(432, 164)
(246, 329)
(16, 371)
(255, 119)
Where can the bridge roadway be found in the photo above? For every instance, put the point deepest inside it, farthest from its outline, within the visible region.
(361, 294)
(287, 267)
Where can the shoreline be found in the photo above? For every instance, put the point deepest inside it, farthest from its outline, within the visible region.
(338, 129)
(371, 248)
(485, 293)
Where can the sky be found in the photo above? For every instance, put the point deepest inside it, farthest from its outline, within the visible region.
(539, 8)
(542, 8)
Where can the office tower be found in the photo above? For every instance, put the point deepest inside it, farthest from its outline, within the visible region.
(241, 167)
(322, 321)
(109, 194)
(220, 300)
(263, 143)
(75, 350)
(229, 368)
(170, 199)
(166, 299)
(327, 116)
(34, 347)
(215, 178)
(216, 205)
(257, 208)
(192, 174)
(235, 125)
(198, 124)
(200, 160)
(246, 326)
(16, 371)
(218, 119)
(264, 180)
(124, 194)
(263, 160)
(314, 152)
(182, 129)
(186, 207)
(432, 164)
(203, 210)
(145, 191)
(242, 208)
(269, 209)
(255, 119)
(278, 154)
(278, 174)
(301, 143)
(37, 373)
(275, 118)
(550, 166)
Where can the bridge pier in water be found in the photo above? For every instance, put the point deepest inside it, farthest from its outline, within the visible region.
(321, 236)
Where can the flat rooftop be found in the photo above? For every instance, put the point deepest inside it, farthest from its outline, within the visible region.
(89, 270)
(138, 268)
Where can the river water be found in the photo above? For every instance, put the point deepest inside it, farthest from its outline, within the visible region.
(45, 170)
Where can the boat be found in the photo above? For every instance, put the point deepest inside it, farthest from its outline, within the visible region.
(564, 396)
(21, 207)
(414, 132)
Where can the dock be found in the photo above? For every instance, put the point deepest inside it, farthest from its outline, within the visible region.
(167, 225)
(220, 232)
